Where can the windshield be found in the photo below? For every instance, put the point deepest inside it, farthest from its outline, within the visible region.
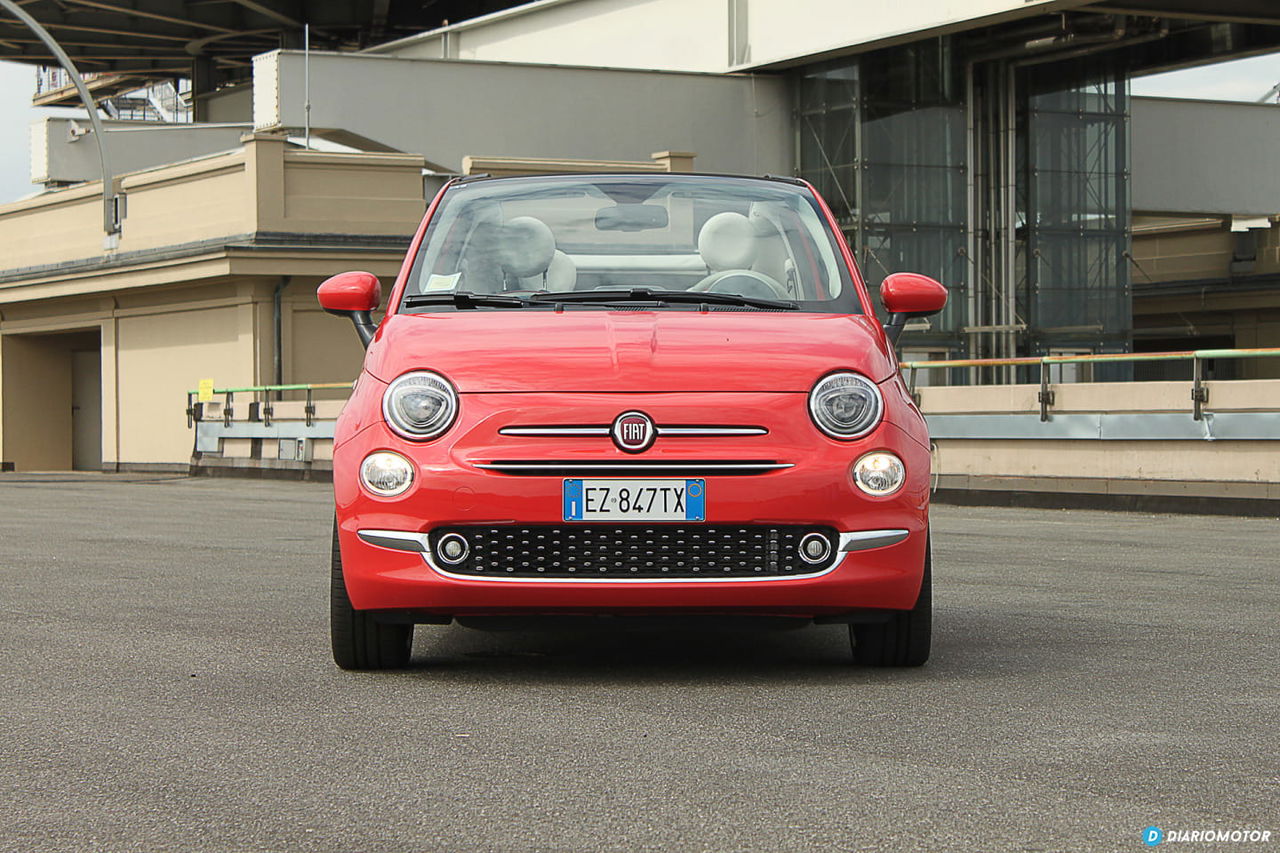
(585, 240)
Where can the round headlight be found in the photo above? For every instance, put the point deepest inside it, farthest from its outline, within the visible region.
(879, 473)
(420, 405)
(385, 473)
(845, 405)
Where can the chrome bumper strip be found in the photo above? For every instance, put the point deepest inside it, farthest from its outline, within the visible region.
(861, 540)
(396, 540)
(856, 540)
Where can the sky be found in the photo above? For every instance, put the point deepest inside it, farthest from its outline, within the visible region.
(1242, 80)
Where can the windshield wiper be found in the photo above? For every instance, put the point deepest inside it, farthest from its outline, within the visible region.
(464, 299)
(644, 294)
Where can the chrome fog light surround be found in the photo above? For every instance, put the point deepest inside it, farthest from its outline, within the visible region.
(815, 549)
(452, 549)
(386, 474)
(879, 473)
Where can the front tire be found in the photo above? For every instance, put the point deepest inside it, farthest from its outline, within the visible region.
(905, 639)
(359, 640)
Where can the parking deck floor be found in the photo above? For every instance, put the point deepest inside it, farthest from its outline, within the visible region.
(167, 686)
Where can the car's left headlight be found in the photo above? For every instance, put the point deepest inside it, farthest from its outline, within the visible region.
(846, 405)
(420, 405)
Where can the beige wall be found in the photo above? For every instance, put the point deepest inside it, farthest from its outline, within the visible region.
(261, 187)
(157, 356)
(321, 347)
(367, 193)
(166, 206)
(1181, 250)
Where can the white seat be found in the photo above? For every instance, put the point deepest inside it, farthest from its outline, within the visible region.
(730, 244)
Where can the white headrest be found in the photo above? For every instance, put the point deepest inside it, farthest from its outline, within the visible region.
(760, 220)
(525, 246)
(562, 274)
(727, 242)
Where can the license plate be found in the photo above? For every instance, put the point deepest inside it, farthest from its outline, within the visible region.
(635, 500)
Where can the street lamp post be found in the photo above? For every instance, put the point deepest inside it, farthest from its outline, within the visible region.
(111, 196)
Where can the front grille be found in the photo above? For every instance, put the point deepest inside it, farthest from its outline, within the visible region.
(607, 551)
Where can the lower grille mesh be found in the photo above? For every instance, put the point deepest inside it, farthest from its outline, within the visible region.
(633, 551)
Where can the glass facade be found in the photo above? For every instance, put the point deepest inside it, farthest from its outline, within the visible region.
(883, 140)
(1008, 182)
(1073, 194)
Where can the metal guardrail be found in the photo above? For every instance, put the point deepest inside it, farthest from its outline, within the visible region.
(262, 411)
(1199, 393)
(259, 409)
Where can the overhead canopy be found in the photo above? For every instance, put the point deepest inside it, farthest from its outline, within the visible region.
(1230, 11)
(165, 37)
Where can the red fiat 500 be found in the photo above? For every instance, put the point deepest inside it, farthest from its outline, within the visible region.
(630, 394)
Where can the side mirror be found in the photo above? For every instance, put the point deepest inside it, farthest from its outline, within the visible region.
(908, 295)
(354, 295)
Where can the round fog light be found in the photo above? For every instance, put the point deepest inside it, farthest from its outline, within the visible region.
(385, 473)
(452, 549)
(815, 548)
(879, 473)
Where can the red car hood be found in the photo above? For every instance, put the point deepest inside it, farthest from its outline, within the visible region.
(496, 350)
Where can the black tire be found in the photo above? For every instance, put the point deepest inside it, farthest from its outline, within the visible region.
(359, 640)
(905, 639)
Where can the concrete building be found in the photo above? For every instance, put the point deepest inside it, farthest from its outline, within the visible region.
(990, 143)
(214, 276)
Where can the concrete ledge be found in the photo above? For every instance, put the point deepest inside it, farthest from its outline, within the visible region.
(1160, 496)
(262, 469)
(144, 468)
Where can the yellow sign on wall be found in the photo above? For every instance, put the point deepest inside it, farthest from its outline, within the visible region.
(205, 392)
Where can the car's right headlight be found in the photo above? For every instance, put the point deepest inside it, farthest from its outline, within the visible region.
(420, 405)
(846, 405)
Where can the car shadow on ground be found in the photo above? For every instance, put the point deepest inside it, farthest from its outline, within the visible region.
(969, 645)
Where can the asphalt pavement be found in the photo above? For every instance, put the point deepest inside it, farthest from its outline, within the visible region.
(166, 684)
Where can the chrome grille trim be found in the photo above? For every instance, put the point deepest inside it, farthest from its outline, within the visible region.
(603, 430)
(573, 467)
(554, 431)
(712, 431)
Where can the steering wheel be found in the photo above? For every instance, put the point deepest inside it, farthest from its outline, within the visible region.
(744, 283)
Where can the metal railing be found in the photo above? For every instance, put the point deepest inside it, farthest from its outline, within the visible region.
(1199, 393)
(261, 408)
